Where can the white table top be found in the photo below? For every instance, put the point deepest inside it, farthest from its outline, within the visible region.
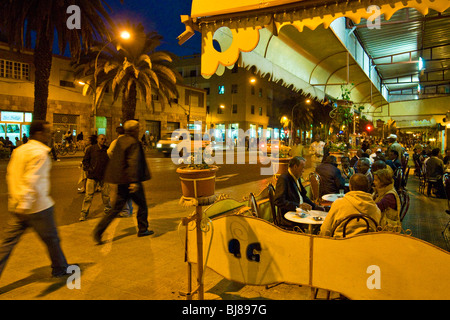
(306, 218)
(331, 197)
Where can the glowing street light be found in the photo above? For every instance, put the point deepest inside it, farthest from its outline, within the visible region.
(125, 35)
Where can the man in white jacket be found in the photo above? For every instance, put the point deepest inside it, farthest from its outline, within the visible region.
(29, 201)
(357, 201)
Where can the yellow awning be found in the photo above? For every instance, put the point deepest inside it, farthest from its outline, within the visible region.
(252, 29)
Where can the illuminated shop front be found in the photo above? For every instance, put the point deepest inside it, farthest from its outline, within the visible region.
(14, 124)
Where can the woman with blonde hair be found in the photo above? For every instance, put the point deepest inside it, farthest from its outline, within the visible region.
(387, 199)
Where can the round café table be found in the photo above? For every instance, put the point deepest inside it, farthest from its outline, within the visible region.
(332, 197)
(306, 217)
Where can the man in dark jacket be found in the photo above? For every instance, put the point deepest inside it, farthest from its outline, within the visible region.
(331, 180)
(127, 168)
(94, 163)
(290, 193)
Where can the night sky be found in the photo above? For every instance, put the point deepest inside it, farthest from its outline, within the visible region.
(162, 16)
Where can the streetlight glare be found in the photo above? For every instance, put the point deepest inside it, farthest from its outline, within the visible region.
(82, 83)
(308, 101)
(125, 35)
(222, 106)
(252, 80)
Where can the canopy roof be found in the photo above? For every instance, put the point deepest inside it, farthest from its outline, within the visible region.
(338, 47)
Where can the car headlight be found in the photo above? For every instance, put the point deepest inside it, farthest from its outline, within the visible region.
(173, 145)
(158, 145)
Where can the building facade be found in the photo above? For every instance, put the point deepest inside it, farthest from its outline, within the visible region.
(69, 110)
(238, 99)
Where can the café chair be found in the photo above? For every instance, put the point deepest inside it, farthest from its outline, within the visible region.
(446, 231)
(357, 216)
(398, 175)
(272, 204)
(404, 201)
(277, 219)
(253, 205)
(314, 182)
(420, 175)
(405, 177)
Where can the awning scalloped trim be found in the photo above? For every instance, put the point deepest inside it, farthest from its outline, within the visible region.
(245, 28)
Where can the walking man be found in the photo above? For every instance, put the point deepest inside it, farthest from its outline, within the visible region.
(127, 168)
(29, 201)
(127, 210)
(94, 163)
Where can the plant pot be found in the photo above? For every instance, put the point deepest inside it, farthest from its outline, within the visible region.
(283, 164)
(198, 183)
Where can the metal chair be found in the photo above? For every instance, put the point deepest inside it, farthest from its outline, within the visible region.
(420, 175)
(446, 181)
(405, 177)
(253, 205)
(398, 174)
(357, 216)
(314, 182)
(404, 200)
(272, 203)
(276, 216)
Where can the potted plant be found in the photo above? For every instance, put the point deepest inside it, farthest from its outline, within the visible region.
(198, 179)
(283, 159)
(338, 150)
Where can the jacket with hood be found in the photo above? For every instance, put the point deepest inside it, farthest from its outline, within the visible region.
(352, 203)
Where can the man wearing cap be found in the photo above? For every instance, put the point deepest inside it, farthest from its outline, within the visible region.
(128, 169)
(395, 145)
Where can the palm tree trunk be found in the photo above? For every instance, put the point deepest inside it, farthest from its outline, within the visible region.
(43, 65)
(129, 104)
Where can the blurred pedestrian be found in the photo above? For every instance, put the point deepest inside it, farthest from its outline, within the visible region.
(297, 150)
(127, 211)
(94, 163)
(83, 174)
(316, 151)
(29, 201)
(127, 168)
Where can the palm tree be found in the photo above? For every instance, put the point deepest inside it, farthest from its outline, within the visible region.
(48, 18)
(301, 111)
(132, 67)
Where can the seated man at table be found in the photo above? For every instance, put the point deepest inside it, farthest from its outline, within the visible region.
(358, 200)
(290, 193)
(393, 161)
(331, 180)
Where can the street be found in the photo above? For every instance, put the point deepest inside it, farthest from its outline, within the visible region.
(163, 187)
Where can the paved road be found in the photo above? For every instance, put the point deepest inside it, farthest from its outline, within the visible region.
(163, 187)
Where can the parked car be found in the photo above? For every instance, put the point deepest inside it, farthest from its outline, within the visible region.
(171, 141)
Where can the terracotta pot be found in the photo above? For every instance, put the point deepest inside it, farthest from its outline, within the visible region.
(283, 164)
(198, 183)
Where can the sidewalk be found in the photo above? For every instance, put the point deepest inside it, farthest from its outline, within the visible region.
(128, 267)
